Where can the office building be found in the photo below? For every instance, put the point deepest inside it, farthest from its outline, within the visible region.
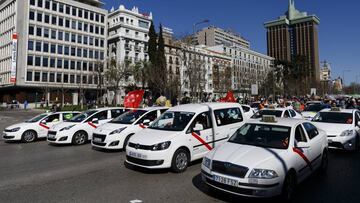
(295, 34)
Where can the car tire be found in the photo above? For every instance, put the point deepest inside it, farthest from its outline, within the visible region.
(324, 162)
(180, 161)
(80, 138)
(28, 136)
(289, 187)
(126, 142)
(357, 143)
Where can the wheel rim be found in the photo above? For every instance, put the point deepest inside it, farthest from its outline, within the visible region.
(181, 161)
(80, 138)
(29, 136)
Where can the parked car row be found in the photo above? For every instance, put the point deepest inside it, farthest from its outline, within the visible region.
(257, 155)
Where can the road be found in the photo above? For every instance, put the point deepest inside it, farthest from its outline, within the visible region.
(39, 172)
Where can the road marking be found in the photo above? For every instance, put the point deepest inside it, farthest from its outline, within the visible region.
(135, 201)
(201, 140)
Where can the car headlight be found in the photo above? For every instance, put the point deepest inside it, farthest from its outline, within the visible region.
(15, 129)
(67, 128)
(347, 133)
(263, 174)
(207, 162)
(117, 131)
(161, 146)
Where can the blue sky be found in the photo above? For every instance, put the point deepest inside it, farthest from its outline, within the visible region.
(339, 29)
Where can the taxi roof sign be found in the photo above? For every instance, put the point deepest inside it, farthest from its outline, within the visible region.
(335, 109)
(268, 119)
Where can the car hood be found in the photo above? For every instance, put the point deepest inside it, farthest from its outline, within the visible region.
(249, 156)
(21, 125)
(308, 114)
(109, 127)
(332, 128)
(150, 136)
(62, 125)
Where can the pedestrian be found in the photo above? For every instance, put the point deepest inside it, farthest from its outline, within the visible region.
(25, 104)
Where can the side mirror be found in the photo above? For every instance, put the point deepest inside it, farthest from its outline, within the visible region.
(95, 120)
(43, 122)
(146, 122)
(198, 127)
(303, 145)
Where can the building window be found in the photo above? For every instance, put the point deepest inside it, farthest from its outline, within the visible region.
(85, 53)
(47, 4)
(91, 16)
(91, 41)
(29, 76)
(96, 42)
(67, 36)
(67, 23)
(38, 61)
(45, 62)
(72, 65)
(73, 52)
(102, 43)
(38, 31)
(32, 2)
(46, 33)
(59, 63)
(73, 38)
(53, 34)
(91, 28)
(84, 66)
(74, 11)
(73, 24)
(32, 15)
(85, 40)
(31, 45)
(78, 54)
(68, 10)
(40, 4)
(91, 66)
(79, 26)
(61, 8)
(86, 14)
(46, 18)
(66, 78)
(31, 30)
(58, 77)
(91, 54)
(46, 47)
(60, 49)
(78, 65)
(80, 13)
(61, 22)
(102, 18)
(52, 63)
(53, 49)
(30, 60)
(72, 79)
(37, 77)
(38, 46)
(53, 20)
(66, 64)
(60, 35)
(79, 39)
(85, 27)
(66, 50)
(39, 17)
(52, 77)
(54, 6)
(78, 79)
(97, 18)
(96, 30)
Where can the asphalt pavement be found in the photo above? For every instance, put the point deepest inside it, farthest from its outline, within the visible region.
(39, 172)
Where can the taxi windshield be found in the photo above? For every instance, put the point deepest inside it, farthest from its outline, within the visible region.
(260, 113)
(262, 135)
(128, 117)
(334, 117)
(36, 118)
(80, 117)
(172, 121)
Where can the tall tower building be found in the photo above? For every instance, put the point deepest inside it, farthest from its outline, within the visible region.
(293, 34)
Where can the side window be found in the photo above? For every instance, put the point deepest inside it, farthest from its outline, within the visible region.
(202, 119)
(162, 110)
(228, 116)
(68, 116)
(116, 112)
(292, 112)
(246, 109)
(357, 118)
(311, 130)
(149, 116)
(286, 114)
(299, 135)
(52, 118)
(100, 115)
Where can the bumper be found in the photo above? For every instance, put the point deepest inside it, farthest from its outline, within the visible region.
(148, 159)
(346, 143)
(108, 144)
(259, 190)
(11, 136)
(59, 137)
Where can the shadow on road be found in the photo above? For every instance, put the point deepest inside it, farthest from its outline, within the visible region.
(109, 151)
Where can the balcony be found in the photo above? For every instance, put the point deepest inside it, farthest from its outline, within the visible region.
(137, 48)
(127, 47)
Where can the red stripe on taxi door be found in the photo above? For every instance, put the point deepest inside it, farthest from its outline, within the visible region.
(44, 126)
(142, 125)
(92, 125)
(302, 155)
(201, 140)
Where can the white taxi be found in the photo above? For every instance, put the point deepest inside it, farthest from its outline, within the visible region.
(116, 133)
(79, 129)
(36, 127)
(277, 112)
(266, 158)
(341, 126)
(182, 134)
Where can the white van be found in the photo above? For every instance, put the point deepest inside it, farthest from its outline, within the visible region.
(184, 133)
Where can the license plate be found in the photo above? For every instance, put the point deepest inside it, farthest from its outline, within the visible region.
(137, 155)
(226, 181)
(96, 139)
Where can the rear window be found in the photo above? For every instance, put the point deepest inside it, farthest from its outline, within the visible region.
(260, 113)
(334, 117)
(228, 116)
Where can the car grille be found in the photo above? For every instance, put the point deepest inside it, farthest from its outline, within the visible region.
(7, 131)
(144, 162)
(51, 139)
(52, 132)
(229, 169)
(139, 146)
(102, 137)
(99, 143)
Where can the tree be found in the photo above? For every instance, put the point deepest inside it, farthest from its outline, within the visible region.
(98, 73)
(152, 51)
(117, 72)
(161, 65)
(140, 72)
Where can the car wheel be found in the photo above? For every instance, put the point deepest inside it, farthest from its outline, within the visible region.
(289, 187)
(79, 138)
(357, 143)
(180, 161)
(324, 162)
(126, 141)
(28, 136)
